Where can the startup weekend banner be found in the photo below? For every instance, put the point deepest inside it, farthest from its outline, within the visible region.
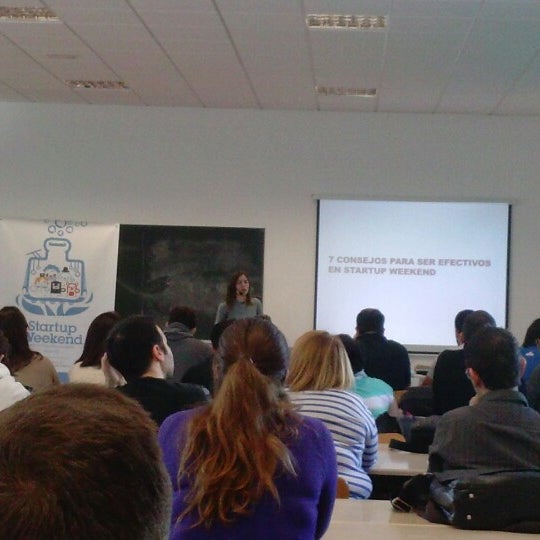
(60, 274)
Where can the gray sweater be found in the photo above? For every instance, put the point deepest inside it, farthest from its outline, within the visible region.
(187, 350)
(240, 310)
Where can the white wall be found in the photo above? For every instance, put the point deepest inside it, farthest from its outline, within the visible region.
(261, 169)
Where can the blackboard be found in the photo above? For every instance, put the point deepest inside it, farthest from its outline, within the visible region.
(162, 266)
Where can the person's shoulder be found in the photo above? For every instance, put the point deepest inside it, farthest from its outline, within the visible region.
(449, 360)
(4, 371)
(190, 391)
(348, 402)
(78, 373)
(396, 345)
(458, 415)
(529, 351)
(397, 348)
(177, 418)
(201, 346)
(45, 366)
(379, 386)
(173, 331)
(450, 354)
(345, 395)
(174, 423)
(313, 428)
(38, 357)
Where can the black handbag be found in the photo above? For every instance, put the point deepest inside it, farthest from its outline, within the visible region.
(502, 501)
(498, 501)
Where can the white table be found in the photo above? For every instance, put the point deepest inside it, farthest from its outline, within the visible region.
(348, 530)
(373, 511)
(378, 520)
(391, 462)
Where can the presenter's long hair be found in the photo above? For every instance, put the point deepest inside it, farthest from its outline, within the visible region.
(230, 297)
(238, 443)
(13, 324)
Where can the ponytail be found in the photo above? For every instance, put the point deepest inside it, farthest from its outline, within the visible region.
(236, 445)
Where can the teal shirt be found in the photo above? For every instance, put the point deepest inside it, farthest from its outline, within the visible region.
(377, 395)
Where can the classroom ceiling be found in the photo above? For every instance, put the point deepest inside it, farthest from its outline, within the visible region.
(433, 56)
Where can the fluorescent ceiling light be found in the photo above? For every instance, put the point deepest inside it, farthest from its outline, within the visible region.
(343, 91)
(27, 14)
(97, 85)
(355, 22)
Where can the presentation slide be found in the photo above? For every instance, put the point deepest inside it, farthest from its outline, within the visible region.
(418, 262)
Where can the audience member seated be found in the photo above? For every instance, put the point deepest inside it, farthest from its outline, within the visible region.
(138, 350)
(88, 367)
(29, 367)
(187, 350)
(498, 431)
(247, 466)
(451, 387)
(383, 358)
(11, 391)
(202, 373)
(458, 331)
(530, 351)
(320, 382)
(375, 393)
(81, 461)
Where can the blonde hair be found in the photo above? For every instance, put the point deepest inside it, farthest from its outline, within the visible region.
(236, 445)
(319, 361)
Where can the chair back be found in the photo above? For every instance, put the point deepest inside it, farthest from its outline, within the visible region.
(343, 491)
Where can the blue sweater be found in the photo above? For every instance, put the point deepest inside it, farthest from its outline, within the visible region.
(306, 501)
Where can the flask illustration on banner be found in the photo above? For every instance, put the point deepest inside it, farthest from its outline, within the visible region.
(54, 283)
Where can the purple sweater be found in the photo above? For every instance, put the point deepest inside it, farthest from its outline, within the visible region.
(306, 501)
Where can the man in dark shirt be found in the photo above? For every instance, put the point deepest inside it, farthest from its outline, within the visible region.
(138, 350)
(498, 431)
(384, 359)
(451, 387)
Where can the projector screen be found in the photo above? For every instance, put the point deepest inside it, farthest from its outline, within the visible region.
(418, 262)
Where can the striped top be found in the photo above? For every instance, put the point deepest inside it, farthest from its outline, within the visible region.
(353, 431)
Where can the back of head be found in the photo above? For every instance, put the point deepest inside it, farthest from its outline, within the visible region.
(246, 425)
(370, 320)
(532, 334)
(129, 345)
(258, 341)
(94, 344)
(460, 319)
(319, 362)
(183, 315)
(354, 352)
(217, 330)
(81, 461)
(14, 325)
(474, 322)
(493, 354)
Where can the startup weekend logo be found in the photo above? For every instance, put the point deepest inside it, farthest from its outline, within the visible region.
(55, 285)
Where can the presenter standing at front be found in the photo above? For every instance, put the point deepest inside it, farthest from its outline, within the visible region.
(238, 302)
